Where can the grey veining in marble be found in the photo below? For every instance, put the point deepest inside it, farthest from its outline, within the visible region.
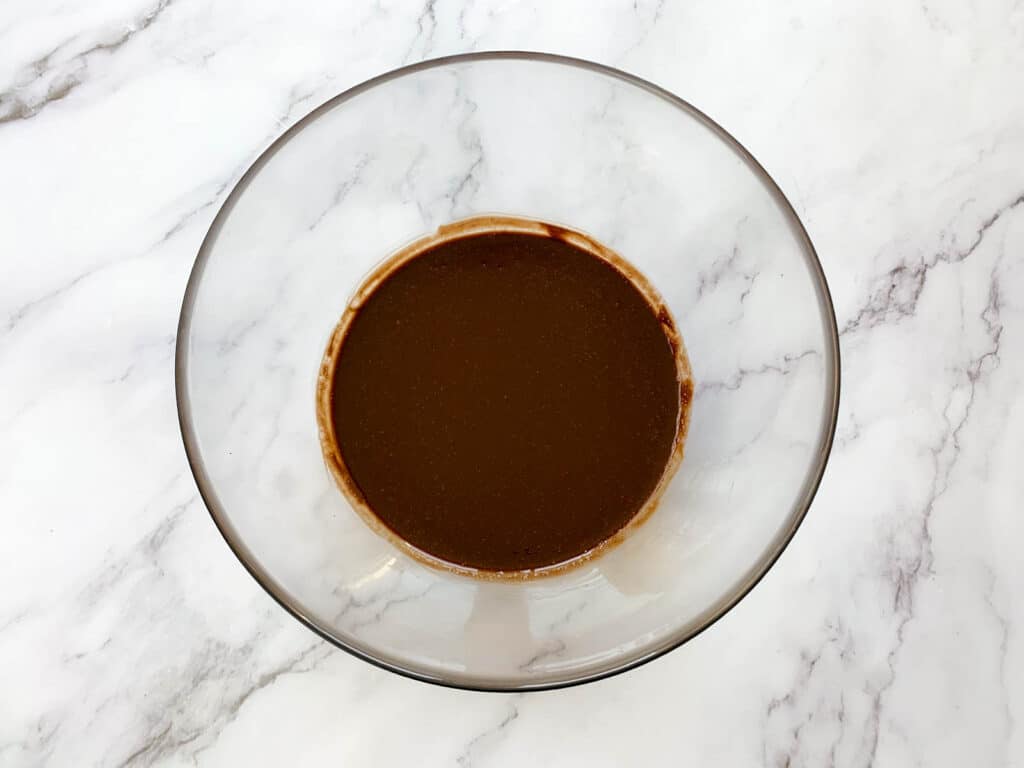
(889, 633)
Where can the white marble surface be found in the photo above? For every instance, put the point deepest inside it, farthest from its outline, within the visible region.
(890, 632)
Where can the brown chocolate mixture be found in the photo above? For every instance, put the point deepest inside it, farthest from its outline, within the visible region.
(506, 401)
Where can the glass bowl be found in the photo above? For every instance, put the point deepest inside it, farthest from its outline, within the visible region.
(537, 136)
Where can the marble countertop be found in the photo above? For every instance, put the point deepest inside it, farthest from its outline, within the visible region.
(891, 632)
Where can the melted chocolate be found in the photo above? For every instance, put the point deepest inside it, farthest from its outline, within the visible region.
(506, 400)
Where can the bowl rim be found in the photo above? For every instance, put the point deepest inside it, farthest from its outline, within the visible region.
(713, 613)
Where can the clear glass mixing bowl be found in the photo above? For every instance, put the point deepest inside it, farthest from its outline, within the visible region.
(543, 137)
